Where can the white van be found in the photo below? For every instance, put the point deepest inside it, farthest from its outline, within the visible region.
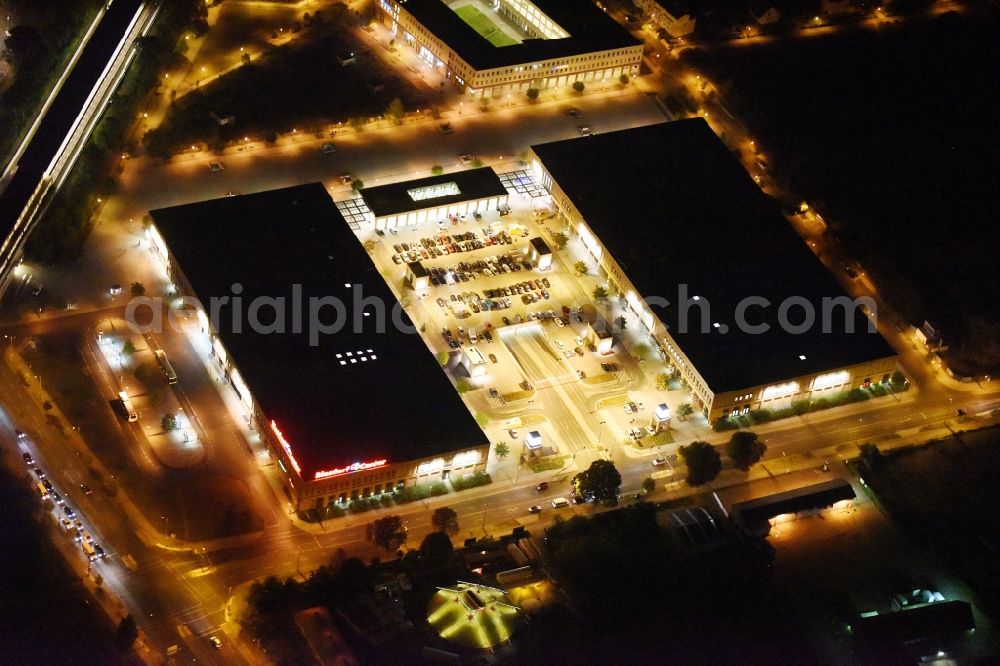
(560, 502)
(473, 339)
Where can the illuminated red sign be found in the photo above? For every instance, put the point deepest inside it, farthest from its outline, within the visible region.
(288, 449)
(350, 469)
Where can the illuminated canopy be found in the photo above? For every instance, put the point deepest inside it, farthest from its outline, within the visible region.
(474, 616)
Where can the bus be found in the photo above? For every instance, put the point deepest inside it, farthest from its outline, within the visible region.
(168, 370)
(88, 550)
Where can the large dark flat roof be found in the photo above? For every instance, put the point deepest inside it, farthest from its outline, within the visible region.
(398, 404)
(590, 30)
(395, 198)
(816, 496)
(674, 207)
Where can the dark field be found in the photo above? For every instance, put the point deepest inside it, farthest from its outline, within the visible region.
(891, 133)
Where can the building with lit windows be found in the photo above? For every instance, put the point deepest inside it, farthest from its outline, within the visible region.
(710, 269)
(670, 16)
(496, 48)
(327, 368)
(434, 199)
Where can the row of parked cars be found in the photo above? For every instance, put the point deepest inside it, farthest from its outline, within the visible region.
(437, 246)
(470, 270)
(475, 302)
(66, 514)
(521, 288)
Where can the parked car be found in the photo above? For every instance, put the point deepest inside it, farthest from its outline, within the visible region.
(659, 461)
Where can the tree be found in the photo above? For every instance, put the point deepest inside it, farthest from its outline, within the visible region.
(482, 419)
(501, 450)
(388, 533)
(23, 45)
(128, 348)
(437, 170)
(357, 184)
(601, 481)
(357, 123)
(444, 519)
(245, 58)
(138, 289)
(370, 245)
(745, 449)
(532, 94)
(663, 383)
(443, 358)
(580, 268)
(685, 410)
(620, 322)
(648, 484)
(126, 633)
(600, 293)
(169, 422)
(871, 457)
(395, 110)
(476, 163)
(559, 240)
(436, 550)
(703, 462)
(624, 79)
(578, 86)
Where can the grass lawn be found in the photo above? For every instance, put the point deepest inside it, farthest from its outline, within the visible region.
(944, 494)
(546, 464)
(482, 24)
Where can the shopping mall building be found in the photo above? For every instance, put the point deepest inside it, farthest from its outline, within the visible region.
(345, 395)
(710, 269)
(502, 47)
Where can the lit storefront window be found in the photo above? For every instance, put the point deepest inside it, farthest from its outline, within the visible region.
(465, 459)
(830, 379)
(430, 466)
(780, 390)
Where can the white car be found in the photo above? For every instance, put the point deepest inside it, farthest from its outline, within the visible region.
(559, 322)
(578, 340)
(628, 408)
(659, 461)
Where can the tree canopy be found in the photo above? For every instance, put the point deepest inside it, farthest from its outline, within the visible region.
(388, 533)
(600, 481)
(703, 462)
(436, 550)
(444, 519)
(745, 449)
